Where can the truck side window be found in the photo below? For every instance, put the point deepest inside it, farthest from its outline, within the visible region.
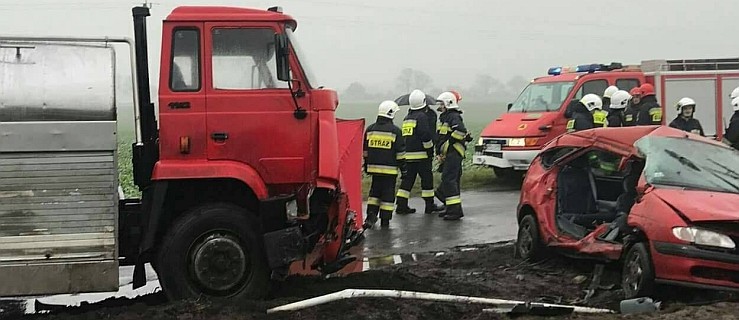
(592, 86)
(627, 84)
(184, 74)
(244, 59)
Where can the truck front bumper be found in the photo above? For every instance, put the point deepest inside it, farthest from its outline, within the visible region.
(518, 159)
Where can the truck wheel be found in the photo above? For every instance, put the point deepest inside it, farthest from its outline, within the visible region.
(637, 276)
(528, 242)
(213, 250)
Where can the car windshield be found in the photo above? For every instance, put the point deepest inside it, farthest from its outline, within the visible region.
(309, 75)
(538, 97)
(688, 163)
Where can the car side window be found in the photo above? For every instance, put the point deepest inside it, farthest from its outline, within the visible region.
(604, 163)
(550, 157)
(592, 86)
(627, 84)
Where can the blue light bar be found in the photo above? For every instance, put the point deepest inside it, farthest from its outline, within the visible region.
(588, 68)
(554, 71)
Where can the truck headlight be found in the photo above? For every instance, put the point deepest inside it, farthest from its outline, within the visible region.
(517, 142)
(479, 141)
(703, 237)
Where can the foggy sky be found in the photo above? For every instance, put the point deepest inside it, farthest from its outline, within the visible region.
(371, 41)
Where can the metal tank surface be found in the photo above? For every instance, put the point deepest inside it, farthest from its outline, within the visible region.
(56, 82)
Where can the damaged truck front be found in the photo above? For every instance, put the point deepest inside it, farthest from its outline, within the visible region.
(245, 171)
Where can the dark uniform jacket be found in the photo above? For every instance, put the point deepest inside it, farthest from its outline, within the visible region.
(452, 133)
(630, 115)
(432, 119)
(384, 148)
(581, 119)
(616, 118)
(689, 125)
(418, 136)
(649, 112)
(732, 133)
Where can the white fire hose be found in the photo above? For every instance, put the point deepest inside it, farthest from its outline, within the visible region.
(359, 293)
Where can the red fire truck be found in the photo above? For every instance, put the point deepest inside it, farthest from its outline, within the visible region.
(246, 170)
(510, 142)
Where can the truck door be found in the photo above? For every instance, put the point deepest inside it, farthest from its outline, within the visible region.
(250, 114)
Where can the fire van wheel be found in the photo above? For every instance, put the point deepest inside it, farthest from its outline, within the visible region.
(213, 250)
(637, 276)
(528, 242)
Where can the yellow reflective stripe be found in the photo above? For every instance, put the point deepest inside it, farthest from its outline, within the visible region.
(403, 193)
(599, 118)
(428, 144)
(373, 201)
(387, 206)
(453, 200)
(445, 148)
(380, 134)
(381, 169)
(459, 148)
(656, 114)
(427, 193)
(400, 156)
(459, 135)
(416, 155)
(571, 125)
(444, 129)
(629, 118)
(409, 122)
(408, 126)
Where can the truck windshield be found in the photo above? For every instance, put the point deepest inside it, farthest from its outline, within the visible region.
(538, 97)
(692, 164)
(309, 75)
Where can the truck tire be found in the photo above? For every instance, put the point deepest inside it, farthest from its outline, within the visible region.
(214, 250)
(637, 276)
(528, 242)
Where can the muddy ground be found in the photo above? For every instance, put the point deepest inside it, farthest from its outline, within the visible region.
(487, 271)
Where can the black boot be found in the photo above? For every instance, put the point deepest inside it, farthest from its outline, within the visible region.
(385, 217)
(434, 208)
(454, 212)
(384, 223)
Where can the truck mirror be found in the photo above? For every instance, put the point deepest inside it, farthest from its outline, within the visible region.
(510, 105)
(282, 51)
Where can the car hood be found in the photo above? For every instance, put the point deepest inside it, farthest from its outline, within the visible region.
(700, 206)
(519, 124)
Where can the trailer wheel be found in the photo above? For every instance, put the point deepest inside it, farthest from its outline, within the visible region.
(637, 276)
(528, 242)
(213, 250)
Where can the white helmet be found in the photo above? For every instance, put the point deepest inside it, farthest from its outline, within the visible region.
(417, 100)
(684, 102)
(620, 99)
(388, 109)
(734, 94)
(592, 101)
(449, 100)
(735, 104)
(610, 91)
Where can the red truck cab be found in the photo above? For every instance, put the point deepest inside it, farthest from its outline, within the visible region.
(510, 142)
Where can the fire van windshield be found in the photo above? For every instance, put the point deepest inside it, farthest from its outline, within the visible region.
(538, 97)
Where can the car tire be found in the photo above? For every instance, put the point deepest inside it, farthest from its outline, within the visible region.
(214, 250)
(528, 241)
(637, 276)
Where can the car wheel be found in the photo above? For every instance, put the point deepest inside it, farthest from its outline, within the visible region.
(637, 276)
(216, 251)
(528, 242)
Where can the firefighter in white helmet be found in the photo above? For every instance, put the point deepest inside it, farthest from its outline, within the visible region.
(453, 137)
(419, 156)
(384, 159)
(685, 120)
(607, 94)
(731, 137)
(584, 113)
(617, 110)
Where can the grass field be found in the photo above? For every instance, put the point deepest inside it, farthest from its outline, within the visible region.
(476, 117)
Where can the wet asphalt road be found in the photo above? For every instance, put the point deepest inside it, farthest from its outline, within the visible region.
(490, 216)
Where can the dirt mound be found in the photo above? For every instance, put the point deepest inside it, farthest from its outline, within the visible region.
(485, 271)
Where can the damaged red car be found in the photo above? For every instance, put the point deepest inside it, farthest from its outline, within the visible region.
(661, 202)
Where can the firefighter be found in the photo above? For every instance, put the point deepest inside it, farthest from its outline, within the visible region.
(583, 112)
(384, 159)
(418, 156)
(731, 137)
(617, 114)
(685, 120)
(649, 112)
(607, 97)
(453, 137)
(632, 109)
(733, 96)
